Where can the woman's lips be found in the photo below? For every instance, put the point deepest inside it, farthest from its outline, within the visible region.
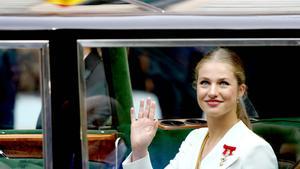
(213, 103)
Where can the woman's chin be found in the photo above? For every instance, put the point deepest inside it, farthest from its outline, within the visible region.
(214, 114)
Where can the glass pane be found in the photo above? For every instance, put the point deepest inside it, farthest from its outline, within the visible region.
(20, 88)
(20, 107)
(102, 107)
(168, 74)
(164, 70)
(98, 102)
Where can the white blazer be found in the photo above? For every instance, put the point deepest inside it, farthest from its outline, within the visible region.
(252, 152)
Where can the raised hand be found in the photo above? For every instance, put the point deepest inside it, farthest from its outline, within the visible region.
(143, 129)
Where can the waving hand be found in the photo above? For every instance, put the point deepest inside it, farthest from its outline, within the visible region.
(143, 129)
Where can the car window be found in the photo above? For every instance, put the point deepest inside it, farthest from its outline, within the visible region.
(21, 101)
(168, 73)
(22, 93)
(99, 103)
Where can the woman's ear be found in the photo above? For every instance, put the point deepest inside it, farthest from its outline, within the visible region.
(242, 90)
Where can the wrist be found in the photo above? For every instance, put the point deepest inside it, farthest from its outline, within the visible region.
(138, 154)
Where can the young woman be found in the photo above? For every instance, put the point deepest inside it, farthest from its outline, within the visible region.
(227, 142)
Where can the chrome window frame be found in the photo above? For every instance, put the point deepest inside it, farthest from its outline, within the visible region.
(189, 42)
(167, 42)
(82, 105)
(45, 85)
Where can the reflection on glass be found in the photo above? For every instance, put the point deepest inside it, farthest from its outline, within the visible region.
(101, 107)
(21, 146)
(98, 102)
(20, 101)
(166, 74)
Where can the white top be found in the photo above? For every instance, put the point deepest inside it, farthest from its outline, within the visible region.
(252, 152)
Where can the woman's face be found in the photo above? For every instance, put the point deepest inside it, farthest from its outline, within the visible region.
(218, 89)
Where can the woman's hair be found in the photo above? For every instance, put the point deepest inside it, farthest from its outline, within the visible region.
(227, 56)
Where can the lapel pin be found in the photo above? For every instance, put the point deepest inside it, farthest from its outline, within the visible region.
(228, 150)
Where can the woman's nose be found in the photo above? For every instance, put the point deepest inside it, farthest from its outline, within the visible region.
(212, 91)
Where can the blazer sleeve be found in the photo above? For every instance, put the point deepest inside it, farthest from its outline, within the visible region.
(260, 156)
(143, 163)
(186, 147)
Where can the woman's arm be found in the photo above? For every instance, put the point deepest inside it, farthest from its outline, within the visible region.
(260, 156)
(143, 130)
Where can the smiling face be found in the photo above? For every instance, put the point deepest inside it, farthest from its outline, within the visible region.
(218, 89)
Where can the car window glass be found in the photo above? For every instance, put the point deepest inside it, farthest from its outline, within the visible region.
(21, 145)
(97, 99)
(20, 88)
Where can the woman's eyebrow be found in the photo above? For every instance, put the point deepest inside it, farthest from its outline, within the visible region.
(223, 79)
(204, 78)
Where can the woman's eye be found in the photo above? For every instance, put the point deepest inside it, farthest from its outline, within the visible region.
(204, 83)
(224, 84)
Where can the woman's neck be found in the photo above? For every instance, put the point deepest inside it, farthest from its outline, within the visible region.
(217, 127)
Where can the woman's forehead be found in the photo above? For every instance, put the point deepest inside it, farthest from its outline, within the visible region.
(214, 69)
(215, 66)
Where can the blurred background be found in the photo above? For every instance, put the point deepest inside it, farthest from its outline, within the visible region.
(20, 100)
(142, 7)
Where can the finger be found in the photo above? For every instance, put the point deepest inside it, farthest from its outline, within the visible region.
(132, 114)
(152, 110)
(156, 125)
(141, 110)
(147, 109)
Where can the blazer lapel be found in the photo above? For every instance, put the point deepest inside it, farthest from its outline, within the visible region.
(217, 160)
(220, 159)
(228, 161)
(231, 142)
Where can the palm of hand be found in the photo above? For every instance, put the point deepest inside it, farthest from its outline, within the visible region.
(144, 128)
(142, 132)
